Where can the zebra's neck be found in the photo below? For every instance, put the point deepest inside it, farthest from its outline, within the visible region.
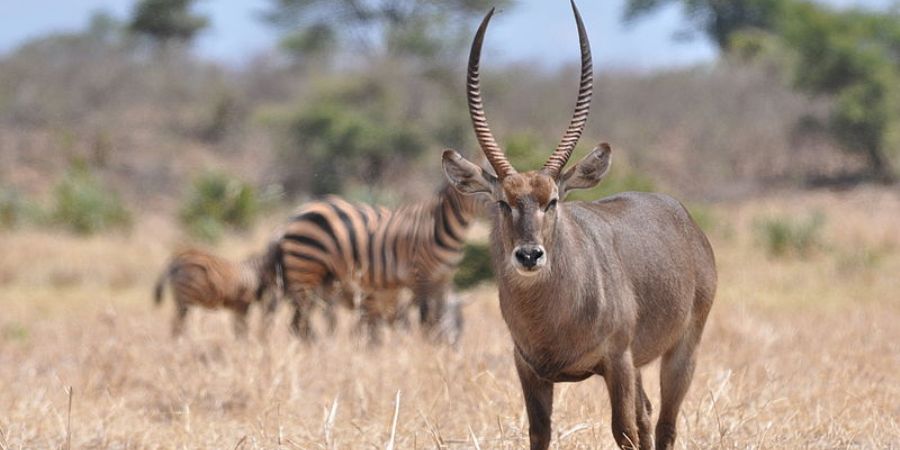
(453, 215)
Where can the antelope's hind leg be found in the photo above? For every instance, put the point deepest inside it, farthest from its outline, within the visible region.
(675, 373)
(677, 369)
(643, 412)
(619, 375)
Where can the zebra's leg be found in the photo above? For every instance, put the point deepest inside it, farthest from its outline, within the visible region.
(402, 305)
(400, 320)
(267, 317)
(240, 320)
(451, 323)
(423, 298)
(442, 315)
(372, 320)
(327, 300)
(300, 323)
(331, 321)
(181, 311)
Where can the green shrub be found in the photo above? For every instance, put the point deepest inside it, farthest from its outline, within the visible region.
(785, 236)
(861, 258)
(217, 201)
(13, 331)
(475, 266)
(526, 150)
(704, 216)
(17, 210)
(84, 205)
(340, 137)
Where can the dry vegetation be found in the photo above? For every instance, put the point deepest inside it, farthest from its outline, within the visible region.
(798, 353)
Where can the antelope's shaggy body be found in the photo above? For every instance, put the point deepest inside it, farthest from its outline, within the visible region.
(199, 278)
(590, 288)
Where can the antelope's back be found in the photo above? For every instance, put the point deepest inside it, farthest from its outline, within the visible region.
(651, 226)
(665, 258)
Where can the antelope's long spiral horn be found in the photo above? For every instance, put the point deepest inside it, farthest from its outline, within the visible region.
(563, 151)
(476, 108)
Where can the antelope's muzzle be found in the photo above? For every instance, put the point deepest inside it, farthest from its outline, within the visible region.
(529, 257)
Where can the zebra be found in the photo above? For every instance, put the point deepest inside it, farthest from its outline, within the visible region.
(371, 252)
(200, 278)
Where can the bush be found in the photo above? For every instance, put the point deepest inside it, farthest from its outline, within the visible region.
(348, 131)
(784, 236)
(13, 331)
(705, 217)
(16, 210)
(84, 205)
(475, 266)
(861, 258)
(216, 201)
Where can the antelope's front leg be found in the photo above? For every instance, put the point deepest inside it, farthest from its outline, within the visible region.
(538, 402)
(619, 374)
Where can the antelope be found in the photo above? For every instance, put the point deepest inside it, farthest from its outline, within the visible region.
(590, 288)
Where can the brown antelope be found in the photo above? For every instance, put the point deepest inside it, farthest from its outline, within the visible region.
(590, 288)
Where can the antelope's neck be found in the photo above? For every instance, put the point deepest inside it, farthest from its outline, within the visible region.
(544, 312)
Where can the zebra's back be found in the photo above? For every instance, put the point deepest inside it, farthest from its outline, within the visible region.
(334, 240)
(200, 278)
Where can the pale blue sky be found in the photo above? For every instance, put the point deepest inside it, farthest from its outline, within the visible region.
(535, 30)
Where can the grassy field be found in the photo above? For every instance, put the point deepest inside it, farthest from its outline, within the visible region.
(799, 352)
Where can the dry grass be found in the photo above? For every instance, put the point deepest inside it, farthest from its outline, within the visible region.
(797, 354)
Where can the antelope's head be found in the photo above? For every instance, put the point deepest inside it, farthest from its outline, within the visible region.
(528, 202)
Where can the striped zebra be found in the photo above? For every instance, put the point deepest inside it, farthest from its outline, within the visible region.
(199, 278)
(370, 252)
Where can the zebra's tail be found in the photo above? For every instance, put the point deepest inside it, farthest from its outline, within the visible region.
(161, 284)
(271, 271)
(280, 280)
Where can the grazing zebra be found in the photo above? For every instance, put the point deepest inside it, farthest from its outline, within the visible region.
(199, 278)
(370, 252)
(377, 307)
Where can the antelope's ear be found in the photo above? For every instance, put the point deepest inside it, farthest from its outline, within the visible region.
(588, 172)
(466, 176)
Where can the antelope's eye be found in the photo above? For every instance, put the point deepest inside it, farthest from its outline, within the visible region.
(504, 206)
(551, 205)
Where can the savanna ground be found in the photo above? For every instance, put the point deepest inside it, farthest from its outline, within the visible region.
(799, 352)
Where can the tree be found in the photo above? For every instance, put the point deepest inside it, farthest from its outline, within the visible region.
(427, 29)
(719, 19)
(166, 21)
(852, 56)
(352, 130)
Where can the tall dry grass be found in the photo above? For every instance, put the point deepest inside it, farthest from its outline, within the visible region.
(798, 353)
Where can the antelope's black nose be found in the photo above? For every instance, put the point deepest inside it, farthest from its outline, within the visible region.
(528, 255)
